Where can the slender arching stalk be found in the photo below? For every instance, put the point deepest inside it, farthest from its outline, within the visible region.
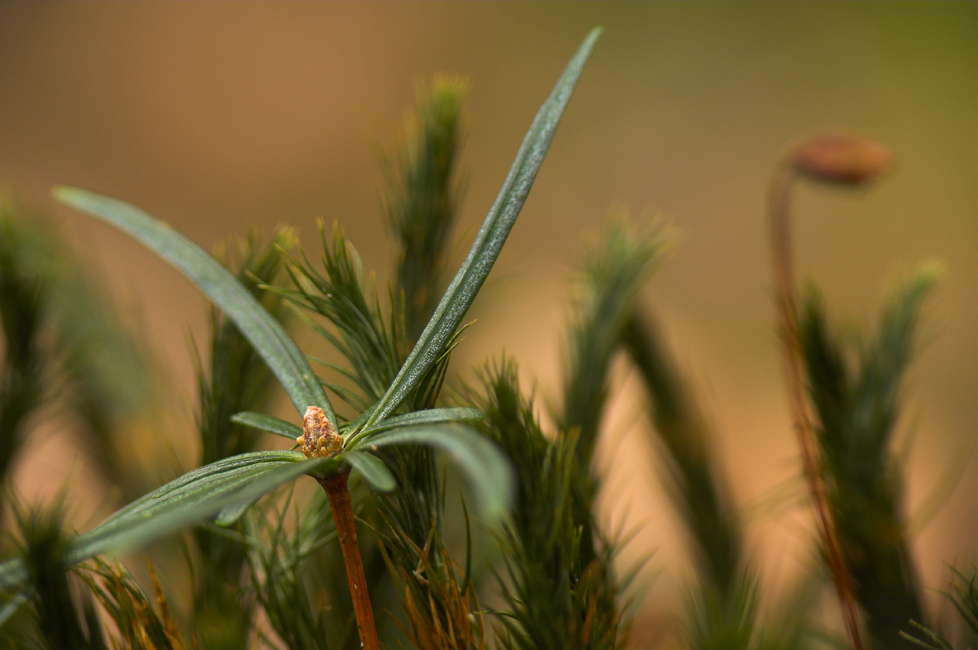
(801, 414)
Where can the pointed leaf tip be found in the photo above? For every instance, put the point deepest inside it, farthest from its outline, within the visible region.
(265, 333)
(487, 469)
(372, 470)
(490, 238)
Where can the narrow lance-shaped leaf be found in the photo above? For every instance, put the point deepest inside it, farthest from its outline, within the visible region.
(459, 296)
(193, 497)
(268, 423)
(228, 515)
(480, 460)
(417, 418)
(372, 470)
(265, 333)
(13, 604)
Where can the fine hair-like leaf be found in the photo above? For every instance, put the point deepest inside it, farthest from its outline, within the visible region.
(613, 273)
(60, 618)
(292, 578)
(558, 594)
(265, 333)
(342, 294)
(421, 198)
(490, 239)
(963, 596)
(130, 609)
(856, 397)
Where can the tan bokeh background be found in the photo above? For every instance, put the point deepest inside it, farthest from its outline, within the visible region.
(217, 116)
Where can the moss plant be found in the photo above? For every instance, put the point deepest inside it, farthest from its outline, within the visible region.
(65, 345)
(377, 558)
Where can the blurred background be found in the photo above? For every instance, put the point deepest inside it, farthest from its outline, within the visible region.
(219, 116)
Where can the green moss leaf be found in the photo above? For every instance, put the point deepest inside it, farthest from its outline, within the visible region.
(268, 423)
(192, 498)
(490, 239)
(417, 418)
(372, 470)
(265, 333)
(485, 466)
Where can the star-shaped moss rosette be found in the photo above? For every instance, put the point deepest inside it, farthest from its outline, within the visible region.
(226, 488)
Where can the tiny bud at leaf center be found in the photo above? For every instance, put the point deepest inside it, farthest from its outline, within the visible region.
(319, 438)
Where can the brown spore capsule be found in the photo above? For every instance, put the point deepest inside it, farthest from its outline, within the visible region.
(319, 438)
(843, 159)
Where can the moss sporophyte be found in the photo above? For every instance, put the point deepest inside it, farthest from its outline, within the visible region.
(848, 161)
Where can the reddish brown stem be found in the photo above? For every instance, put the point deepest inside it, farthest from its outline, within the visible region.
(801, 415)
(340, 503)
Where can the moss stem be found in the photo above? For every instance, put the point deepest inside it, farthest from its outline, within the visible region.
(801, 415)
(339, 502)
